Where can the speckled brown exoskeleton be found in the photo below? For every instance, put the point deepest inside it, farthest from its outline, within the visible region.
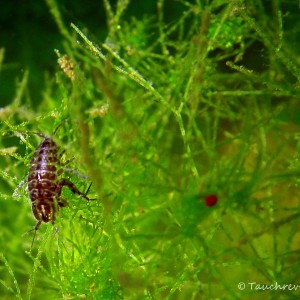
(44, 182)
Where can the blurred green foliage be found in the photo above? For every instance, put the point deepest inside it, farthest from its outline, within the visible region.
(165, 102)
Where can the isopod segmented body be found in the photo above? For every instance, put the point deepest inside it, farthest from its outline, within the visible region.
(44, 185)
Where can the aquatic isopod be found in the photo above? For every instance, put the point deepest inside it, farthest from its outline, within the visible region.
(44, 184)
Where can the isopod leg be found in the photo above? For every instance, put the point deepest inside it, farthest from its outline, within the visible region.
(62, 202)
(66, 182)
(75, 172)
(66, 162)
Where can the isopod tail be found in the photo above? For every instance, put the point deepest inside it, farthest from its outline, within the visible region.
(36, 227)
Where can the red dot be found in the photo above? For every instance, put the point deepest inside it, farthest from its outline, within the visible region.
(211, 200)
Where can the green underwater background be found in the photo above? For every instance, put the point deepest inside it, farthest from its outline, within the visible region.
(184, 116)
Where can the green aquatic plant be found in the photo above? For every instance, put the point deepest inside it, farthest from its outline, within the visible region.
(187, 125)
